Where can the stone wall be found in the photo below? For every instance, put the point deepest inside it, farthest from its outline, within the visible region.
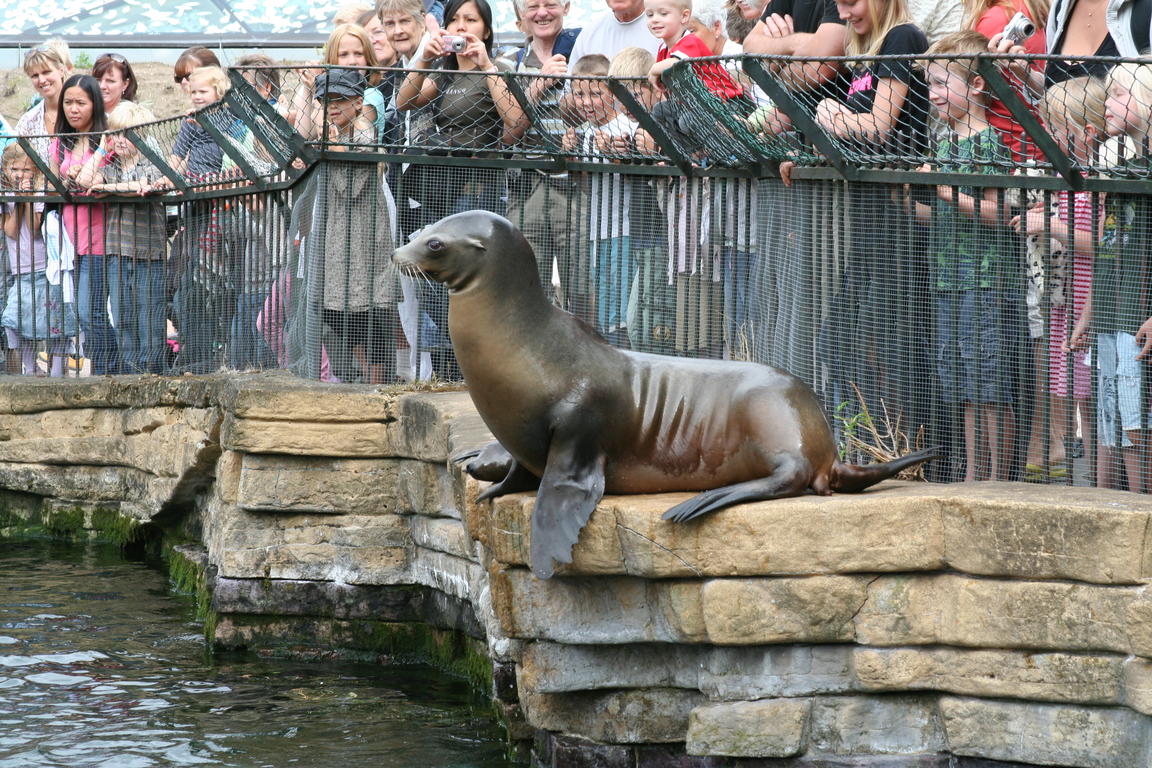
(913, 625)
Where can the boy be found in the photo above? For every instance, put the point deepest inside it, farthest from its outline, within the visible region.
(604, 130)
(135, 243)
(970, 257)
(669, 21)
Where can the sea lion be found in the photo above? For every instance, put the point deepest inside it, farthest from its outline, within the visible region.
(575, 417)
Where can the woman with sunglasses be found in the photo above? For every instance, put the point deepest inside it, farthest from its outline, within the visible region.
(190, 59)
(117, 80)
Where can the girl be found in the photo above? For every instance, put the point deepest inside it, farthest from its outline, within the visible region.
(117, 80)
(348, 46)
(35, 308)
(472, 109)
(47, 65)
(1119, 302)
(82, 114)
(1073, 111)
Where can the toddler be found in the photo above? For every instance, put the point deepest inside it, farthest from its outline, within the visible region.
(35, 308)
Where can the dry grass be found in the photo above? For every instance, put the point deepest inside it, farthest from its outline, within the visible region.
(881, 437)
(155, 91)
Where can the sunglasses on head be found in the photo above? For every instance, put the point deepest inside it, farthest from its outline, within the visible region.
(114, 57)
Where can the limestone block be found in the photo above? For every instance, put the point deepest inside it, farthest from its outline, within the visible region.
(875, 725)
(603, 610)
(279, 597)
(1137, 685)
(770, 728)
(309, 438)
(1048, 734)
(958, 610)
(85, 483)
(812, 534)
(450, 575)
(426, 488)
(354, 549)
(287, 398)
(65, 450)
(441, 534)
(652, 715)
(721, 673)
(1042, 533)
(426, 421)
(281, 483)
(782, 610)
(1059, 677)
(228, 468)
(33, 395)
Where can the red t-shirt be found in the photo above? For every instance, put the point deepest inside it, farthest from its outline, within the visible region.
(990, 24)
(711, 73)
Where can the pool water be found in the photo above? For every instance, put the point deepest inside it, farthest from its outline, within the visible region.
(101, 665)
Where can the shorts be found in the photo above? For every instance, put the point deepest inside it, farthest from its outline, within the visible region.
(970, 347)
(1119, 376)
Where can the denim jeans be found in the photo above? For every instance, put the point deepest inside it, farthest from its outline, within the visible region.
(246, 346)
(136, 291)
(92, 306)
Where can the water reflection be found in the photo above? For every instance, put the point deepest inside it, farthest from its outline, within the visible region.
(101, 666)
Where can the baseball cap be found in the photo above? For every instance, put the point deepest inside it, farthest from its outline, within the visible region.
(340, 83)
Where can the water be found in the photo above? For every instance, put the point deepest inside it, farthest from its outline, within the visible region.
(100, 665)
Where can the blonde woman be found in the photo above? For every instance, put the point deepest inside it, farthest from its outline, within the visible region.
(47, 65)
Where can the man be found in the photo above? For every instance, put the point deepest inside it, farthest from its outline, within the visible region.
(622, 27)
(799, 28)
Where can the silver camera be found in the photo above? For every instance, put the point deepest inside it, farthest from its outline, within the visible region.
(454, 43)
(1019, 28)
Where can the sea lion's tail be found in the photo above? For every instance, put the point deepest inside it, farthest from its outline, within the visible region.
(853, 478)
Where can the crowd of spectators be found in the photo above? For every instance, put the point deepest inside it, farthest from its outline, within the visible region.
(114, 282)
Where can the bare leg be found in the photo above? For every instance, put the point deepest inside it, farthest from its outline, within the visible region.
(970, 451)
(1132, 463)
(992, 433)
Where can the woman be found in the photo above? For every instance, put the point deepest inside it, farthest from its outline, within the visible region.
(47, 66)
(472, 110)
(190, 59)
(81, 114)
(117, 80)
(1078, 28)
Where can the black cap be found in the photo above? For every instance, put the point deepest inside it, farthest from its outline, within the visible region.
(340, 83)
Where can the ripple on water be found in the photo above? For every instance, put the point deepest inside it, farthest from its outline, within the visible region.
(112, 673)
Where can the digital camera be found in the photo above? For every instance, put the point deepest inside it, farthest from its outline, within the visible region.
(455, 43)
(1019, 28)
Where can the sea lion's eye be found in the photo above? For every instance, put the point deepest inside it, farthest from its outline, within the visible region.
(435, 245)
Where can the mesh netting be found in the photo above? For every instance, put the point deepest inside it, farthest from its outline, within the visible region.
(962, 262)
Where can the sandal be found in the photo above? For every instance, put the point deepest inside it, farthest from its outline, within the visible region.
(1035, 473)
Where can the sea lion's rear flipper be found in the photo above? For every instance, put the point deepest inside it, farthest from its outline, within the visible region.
(518, 479)
(790, 478)
(572, 486)
(490, 462)
(853, 478)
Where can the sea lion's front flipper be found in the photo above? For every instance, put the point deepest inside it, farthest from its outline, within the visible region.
(489, 463)
(790, 478)
(572, 486)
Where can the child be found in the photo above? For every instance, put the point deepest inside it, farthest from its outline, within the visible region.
(604, 130)
(1073, 111)
(1119, 301)
(35, 308)
(669, 20)
(136, 243)
(971, 260)
(354, 279)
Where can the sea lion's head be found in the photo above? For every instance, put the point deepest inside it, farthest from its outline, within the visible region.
(464, 248)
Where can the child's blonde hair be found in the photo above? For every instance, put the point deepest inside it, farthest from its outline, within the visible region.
(1136, 78)
(683, 5)
(1078, 102)
(53, 53)
(332, 48)
(213, 76)
(12, 153)
(592, 65)
(128, 114)
(884, 15)
(959, 44)
(349, 13)
(631, 62)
